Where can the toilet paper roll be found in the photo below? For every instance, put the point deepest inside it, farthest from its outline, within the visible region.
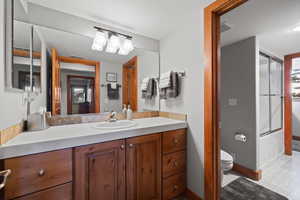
(241, 137)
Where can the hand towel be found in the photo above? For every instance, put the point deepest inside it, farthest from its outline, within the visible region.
(173, 90)
(112, 94)
(164, 81)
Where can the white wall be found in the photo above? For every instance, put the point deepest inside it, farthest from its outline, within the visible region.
(271, 148)
(148, 66)
(183, 50)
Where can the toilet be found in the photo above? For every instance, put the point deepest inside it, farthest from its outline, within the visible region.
(226, 163)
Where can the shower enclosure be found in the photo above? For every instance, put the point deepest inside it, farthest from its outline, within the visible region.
(271, 94)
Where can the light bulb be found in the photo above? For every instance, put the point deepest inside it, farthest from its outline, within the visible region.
(99, 41)
(126, 47)
(113, 44)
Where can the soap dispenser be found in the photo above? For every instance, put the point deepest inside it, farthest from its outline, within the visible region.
(124, 111)
(129, 113)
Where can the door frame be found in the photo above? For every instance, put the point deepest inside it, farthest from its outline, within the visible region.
(212, 145)
(133, 62)
(288, 121)
(69, 91)
(56, 87)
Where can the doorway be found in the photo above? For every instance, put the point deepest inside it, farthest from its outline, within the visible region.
(212, 97)
(80, 95)
(212, 160)
(130, 93)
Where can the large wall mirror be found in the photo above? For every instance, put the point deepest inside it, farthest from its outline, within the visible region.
(88, 68)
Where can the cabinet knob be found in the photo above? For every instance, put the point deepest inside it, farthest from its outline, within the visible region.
(176, 141)
(5, 175)
(175, 163)
(130, 145)
(122, 146)
(175, 187)
(41, 172)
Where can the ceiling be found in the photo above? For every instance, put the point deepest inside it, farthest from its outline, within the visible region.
(272, 21)
(151, 18)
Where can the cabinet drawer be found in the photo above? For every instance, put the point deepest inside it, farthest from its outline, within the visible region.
(38, 172)
(174, 140)
(174, 186)
(174, 163)
(62, 192)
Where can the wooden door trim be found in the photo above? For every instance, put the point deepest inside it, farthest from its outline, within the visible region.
(212, 162)
(56, 91)
(69, 91)
(134, 98)
(288, 121)
(65, 59)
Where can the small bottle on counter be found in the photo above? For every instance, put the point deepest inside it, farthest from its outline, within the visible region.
(124, 111)
(129, 113)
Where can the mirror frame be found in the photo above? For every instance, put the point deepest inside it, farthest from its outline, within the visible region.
(8, 47)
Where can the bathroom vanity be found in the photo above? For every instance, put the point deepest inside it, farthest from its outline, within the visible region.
(81, 162)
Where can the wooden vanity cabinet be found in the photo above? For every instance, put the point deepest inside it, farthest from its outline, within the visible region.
(100, 171)
(143, 167)
(41, 176)
(150, 167)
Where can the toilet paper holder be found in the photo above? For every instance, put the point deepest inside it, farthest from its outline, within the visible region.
(240, 137)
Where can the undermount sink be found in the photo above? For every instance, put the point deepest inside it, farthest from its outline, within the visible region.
(121, 124)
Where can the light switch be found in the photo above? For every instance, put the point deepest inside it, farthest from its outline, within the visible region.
(232, 102)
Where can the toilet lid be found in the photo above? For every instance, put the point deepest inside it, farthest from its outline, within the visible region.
(226, 156)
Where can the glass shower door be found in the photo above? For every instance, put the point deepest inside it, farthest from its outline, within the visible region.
(271, 102)
(264, 110)
(276, 94)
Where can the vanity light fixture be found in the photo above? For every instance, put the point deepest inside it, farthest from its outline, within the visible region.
(112, 42)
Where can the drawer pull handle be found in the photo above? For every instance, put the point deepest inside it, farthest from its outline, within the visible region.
(175, 187)
(41, 172)
(176, 141)
(122, 146)
(5, 175)
(130, 145)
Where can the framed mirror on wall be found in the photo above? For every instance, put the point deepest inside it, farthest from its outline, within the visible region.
(88, 67)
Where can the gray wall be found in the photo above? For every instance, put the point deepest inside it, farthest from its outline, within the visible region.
(238, 83)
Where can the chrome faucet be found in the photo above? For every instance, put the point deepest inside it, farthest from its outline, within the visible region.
(112, 117)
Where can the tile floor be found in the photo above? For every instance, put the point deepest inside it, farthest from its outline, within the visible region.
(282, 177)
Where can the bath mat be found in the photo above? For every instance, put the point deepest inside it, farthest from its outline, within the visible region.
(244, 189)
(296, 145)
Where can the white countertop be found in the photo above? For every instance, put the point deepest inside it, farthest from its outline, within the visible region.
(61, 137)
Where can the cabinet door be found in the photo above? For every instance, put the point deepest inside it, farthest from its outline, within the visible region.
(100, 171)
(143, 167)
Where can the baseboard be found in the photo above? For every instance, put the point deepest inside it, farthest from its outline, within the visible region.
(296, 138)
(190, 195)
(249, 173)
